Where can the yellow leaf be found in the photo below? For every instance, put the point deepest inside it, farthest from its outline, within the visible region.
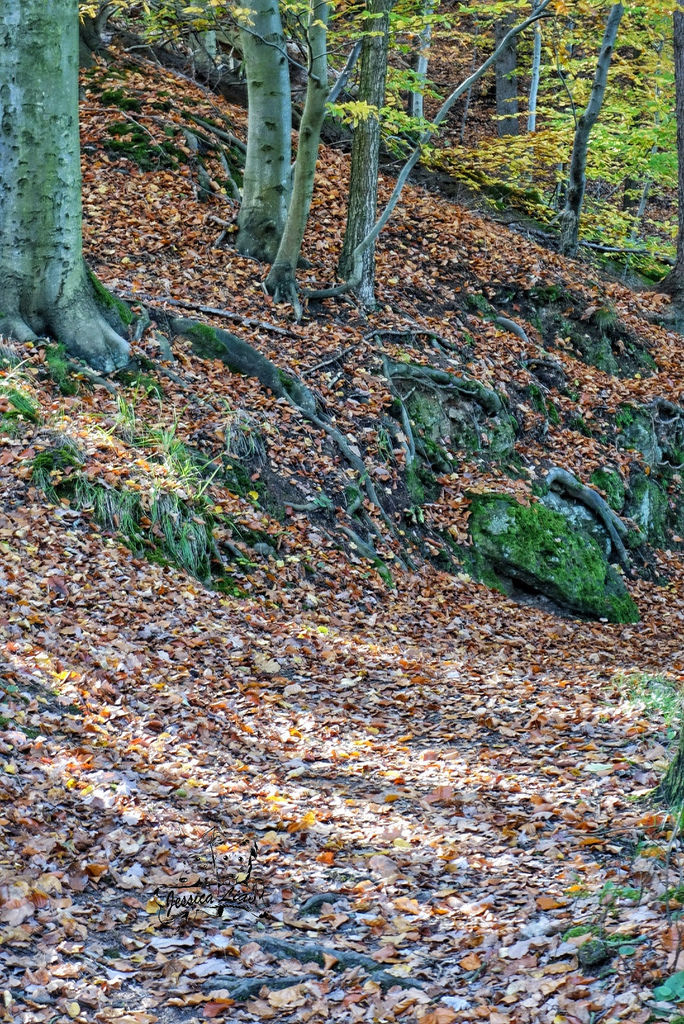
(73, 1009)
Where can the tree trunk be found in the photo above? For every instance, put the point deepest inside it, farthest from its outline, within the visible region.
(506, 79)
(535, 76)
(363, 185)
(44, 283)
(266, 187)
(204, 51)
(674, 282)
(91, 27)
(570, 217)
(280, 282)
(415, 103)
(405, 172)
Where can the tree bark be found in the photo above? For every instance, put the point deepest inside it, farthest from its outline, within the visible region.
(570, 217)
(415, 103)
(673, 284)
(280, 282)
(535, 76)
(464, 87)
(363, 184)
(506, 79)
(204, 52)
(91, 28)
(266, 186)
(45, 287)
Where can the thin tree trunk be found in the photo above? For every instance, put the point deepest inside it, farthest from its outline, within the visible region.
(415, 103)
(674, 282)
(471, 88)
(280, 282)
(45, 287)
(266, 183)
(506, 79)
(363, 185)
(405, 172)
(204, 51)
(570, 217)
(535, 76)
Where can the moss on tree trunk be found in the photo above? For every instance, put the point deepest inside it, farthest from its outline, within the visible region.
(44, 284)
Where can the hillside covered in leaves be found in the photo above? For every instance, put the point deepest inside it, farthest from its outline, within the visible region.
(315, 586)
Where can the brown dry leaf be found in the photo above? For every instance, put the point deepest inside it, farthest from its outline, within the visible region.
(217, 1007)
(286, 998)
(471, 962)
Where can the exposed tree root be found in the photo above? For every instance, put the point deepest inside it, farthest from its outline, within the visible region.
(592, 499)
(281, 285)
(314, 952)
(512, 327)
(489, 400)
(240, 357)
(246, 321)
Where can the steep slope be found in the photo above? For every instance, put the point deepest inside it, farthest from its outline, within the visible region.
(451, 773)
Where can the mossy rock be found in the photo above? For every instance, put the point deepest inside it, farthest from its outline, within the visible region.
(539, 550)
(648, 506)
(462, 420)
(579, 517)
(638, 432)
(610, 482)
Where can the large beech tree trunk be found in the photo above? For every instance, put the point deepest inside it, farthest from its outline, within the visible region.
(674, 282)
(280, 282)
(45, 287)
(266, 187)
(570, 217)
(363, 185)
(506, 79)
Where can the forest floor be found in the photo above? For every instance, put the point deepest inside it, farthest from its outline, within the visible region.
(461, 780)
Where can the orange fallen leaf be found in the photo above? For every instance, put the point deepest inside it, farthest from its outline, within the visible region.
(471, 962)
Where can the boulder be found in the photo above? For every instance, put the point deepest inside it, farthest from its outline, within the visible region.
(540, 550)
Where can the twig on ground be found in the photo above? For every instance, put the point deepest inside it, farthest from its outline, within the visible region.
(227, 314)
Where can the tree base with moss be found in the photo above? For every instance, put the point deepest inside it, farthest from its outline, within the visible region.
(45, 287)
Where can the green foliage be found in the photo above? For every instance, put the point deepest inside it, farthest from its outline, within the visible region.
(22, 403)
(653, 693)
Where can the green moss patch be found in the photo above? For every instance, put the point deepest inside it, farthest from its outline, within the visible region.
(119, 98)
(536, 548)
(610, 482)
(132, 141)
(59, 369)
(109, 301)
